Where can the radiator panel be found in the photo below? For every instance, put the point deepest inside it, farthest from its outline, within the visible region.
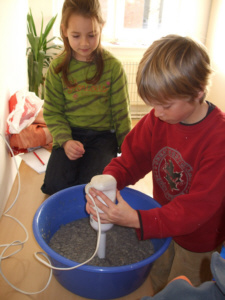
(137, 106)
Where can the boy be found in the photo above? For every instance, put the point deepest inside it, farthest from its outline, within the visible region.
(182, 141)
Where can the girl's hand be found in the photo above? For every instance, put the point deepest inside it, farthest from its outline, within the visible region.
(73, 149)
(121, 214)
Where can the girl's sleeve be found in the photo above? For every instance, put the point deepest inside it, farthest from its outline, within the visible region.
(120, 105)
(54, 108)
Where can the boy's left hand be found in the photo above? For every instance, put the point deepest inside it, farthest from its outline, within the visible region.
(121, 214)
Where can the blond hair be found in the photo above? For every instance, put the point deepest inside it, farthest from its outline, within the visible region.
(173, 67)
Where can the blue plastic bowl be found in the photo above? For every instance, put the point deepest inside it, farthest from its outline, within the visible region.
(87, 281)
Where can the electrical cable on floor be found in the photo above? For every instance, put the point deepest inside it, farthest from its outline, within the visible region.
(19, 243)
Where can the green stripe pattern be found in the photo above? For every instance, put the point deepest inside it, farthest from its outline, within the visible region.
(100, 107)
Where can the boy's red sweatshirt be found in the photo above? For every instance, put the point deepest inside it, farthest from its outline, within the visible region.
(188, 168)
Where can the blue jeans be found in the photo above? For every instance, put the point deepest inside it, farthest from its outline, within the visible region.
(100, 147)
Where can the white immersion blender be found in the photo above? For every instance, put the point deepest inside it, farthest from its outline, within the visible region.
(107, 184)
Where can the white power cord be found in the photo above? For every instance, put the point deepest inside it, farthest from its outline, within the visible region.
(19, 243)
(77, 266)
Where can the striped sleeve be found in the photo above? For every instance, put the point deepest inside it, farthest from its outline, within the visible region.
(54, 106)
(120, 105)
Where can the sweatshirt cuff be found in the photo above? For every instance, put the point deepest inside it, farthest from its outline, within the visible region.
(139, 231)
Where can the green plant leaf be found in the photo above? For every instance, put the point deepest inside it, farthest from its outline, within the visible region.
(52, 39)
(53, 46)
(41, 57)
(31, 40)
(28, 50)
(31, 23)
(38, 58)
(28, 24)
(34, 42)
(42, 21)
(35, 74)
(49, 27)
(44, 46)
(30, 72)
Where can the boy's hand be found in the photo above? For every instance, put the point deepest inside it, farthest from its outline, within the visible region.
(121, 214)
(73, 149)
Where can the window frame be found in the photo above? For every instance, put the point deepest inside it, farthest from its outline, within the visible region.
(118, 33)
(176, 16)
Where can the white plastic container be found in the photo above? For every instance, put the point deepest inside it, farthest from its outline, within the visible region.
(107, 184)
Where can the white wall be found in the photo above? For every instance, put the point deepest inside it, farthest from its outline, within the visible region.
(39, 8)
(191, 20)
(215, 44)
(13, 76)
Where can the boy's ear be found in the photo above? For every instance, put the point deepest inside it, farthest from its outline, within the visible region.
(201, 95)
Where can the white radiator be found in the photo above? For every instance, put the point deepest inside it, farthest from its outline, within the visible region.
(137, 106)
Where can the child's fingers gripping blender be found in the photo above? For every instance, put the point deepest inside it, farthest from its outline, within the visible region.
(106, 184)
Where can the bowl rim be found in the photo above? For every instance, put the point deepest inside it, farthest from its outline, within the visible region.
(65, 262)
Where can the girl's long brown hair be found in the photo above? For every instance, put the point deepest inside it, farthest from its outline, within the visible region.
(85, 8)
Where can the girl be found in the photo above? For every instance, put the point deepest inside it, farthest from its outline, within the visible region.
(86, 100)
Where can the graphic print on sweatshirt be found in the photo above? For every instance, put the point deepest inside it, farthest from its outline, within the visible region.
(171, 172)
(85, 89)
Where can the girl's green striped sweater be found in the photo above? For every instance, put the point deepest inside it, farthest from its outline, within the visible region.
(103, 106)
